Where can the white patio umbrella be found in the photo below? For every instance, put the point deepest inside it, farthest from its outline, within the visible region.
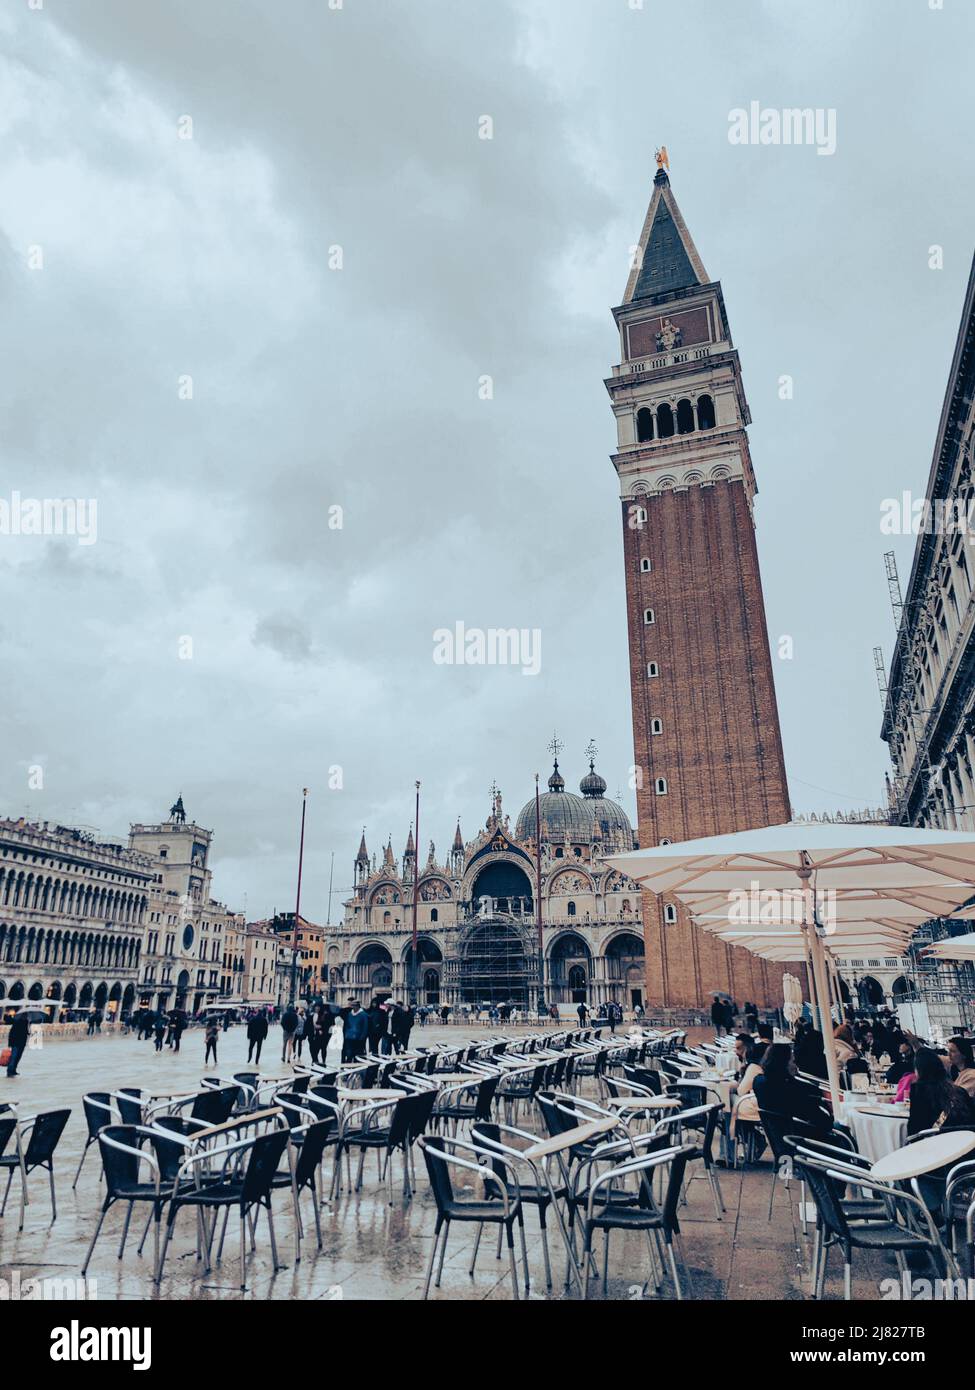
(918, 870)
(955, 948)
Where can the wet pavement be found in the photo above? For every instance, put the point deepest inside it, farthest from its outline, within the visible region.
(370, 1250)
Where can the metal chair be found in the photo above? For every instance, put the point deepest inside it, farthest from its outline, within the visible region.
(910, 1226)
(97, 1106)
(45, 1131)
(502, 1211)
(246, 1182)
(644, 1214)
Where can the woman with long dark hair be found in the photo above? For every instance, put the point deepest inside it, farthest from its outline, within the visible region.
(936, 1101)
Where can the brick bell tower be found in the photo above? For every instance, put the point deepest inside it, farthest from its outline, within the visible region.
(705, 723)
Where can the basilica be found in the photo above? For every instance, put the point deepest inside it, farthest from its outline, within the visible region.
(477, 923)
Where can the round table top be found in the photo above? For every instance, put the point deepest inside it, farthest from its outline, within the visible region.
(925, 1156)
(644, 1102)
(370, 1094)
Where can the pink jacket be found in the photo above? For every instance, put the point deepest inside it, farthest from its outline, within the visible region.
(904, 1086)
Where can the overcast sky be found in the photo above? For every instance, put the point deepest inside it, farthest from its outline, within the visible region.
(312, 388)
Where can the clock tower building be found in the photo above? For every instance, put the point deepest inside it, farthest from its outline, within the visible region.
(705, 722)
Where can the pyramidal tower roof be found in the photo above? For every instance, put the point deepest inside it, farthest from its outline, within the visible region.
(667, 259)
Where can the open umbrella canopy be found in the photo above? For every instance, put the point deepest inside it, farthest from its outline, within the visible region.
(955, 948)
(721, 878)
(845, 858)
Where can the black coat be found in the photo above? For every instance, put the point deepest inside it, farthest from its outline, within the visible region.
(19, 1031)
(257, 1029)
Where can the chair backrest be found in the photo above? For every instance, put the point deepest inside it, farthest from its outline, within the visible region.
(130, 1110)
(265, 1155)
(485, 1097)
(326, 1091)
(313, 1144)
(421, 1108)
(827, 1196)
(672, 1196)
(300, 1084)
(433, 1156)
(215, 1107)
(169, 1152)
(555, 1121)
(44, 1137)
(8, 1125)
(399, 1122)
(368, 1077)
(97, 1106)
(121, 1168)
(643, 1076)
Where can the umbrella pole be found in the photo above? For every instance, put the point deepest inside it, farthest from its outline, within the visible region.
(818, 955)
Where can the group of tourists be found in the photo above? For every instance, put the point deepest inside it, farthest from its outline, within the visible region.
(384, 1027)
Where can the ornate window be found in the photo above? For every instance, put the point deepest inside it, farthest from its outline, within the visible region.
(665, 421)
(660, 786)
(685, 417)
(705, 413)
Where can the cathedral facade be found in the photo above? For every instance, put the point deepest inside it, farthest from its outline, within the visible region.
(477, 918)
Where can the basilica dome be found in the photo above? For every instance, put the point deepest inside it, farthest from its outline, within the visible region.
(562, 813)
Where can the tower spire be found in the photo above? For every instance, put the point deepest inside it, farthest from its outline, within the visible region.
(666, 258)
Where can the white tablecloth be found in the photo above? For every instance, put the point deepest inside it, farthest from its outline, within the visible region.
(876, 1135)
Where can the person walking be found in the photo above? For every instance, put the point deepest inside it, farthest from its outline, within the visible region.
(179, 1023)
(289, 1027)
(356, 1025)
(313, 1037)
(17, 1040)
(405, 1018)
(324, 1023)
(159, 1028)
(300, 1032)
(390, 1026)
(210, 1037)
(256, 1033)
(583, 1013)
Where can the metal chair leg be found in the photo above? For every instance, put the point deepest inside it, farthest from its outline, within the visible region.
(433, 1256)
(98, 1227)
(512, 1263)
(443, 1251)
(125, 1230)
(54, 1200)
(477, 1243)
(81, 1160)
(673, 1270)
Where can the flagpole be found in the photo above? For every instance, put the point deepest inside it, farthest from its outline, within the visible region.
(294, 941)
(538, 900)
(416, 888)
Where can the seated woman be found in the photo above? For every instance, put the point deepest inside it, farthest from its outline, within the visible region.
(780, 1093)
(845, 1048)
(936, 1101)
(809, 1052)
(903, 1065)
(746, 1105)
(961, 1064)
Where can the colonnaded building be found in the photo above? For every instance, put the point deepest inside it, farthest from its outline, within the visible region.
(476, 916)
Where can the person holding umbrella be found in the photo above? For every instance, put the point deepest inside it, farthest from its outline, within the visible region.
(17, 1040)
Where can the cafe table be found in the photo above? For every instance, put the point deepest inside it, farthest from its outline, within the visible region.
(541, 1155)
(926, 1156)
(878, 1127)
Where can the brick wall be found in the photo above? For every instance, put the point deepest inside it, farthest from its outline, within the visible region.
(720, 749)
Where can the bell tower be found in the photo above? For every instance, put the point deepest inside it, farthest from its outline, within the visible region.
(705, 722)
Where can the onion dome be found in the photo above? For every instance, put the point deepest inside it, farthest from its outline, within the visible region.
(564, 816)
